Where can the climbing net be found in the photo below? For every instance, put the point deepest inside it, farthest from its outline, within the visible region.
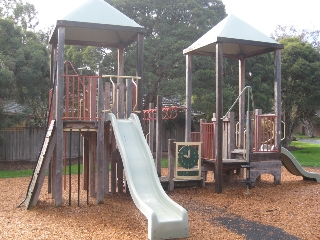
(168, 113)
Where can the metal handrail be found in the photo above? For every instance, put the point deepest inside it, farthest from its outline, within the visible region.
(114, 90)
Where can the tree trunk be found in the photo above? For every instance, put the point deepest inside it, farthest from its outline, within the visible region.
(307, 123)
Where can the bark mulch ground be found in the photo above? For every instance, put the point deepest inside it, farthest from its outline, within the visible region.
(288, 211)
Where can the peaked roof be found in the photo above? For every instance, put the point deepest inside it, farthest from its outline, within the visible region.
(238, 38)
(97, 23)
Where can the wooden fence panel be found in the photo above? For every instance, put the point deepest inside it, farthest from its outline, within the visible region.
(25, 144)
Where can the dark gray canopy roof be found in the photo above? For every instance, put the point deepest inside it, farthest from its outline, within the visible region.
(238, 38)
(97, 23)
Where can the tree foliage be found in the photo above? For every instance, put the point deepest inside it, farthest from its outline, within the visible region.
(23, 14)
(24, 71)
(300, 83)
(171, 26)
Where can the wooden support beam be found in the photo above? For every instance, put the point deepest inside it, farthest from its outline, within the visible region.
(120, 89)
(119, 173)
(277, 95)
(107, 157)
(231, 137)
(129, 99)
(92, 164)
(171, 163)
(58, 117)
(159, 135)
(107, 140)
(120, 100)
(114, 156)
(100, 144)
(188, 97)
(151, 128)
(242, 69)
(139, 72)
(85, 163)
(219, 126)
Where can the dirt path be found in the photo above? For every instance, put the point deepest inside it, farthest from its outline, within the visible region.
(288, 211)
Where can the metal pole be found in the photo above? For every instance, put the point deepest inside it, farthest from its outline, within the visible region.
(70, 140)
(248, 139)
(79, 166)
(88, 155)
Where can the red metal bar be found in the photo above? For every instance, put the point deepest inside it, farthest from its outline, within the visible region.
(67, 94)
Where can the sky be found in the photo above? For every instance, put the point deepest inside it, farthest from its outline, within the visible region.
(264, 15)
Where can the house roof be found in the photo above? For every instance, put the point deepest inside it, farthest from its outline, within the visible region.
(238, 38)
(97, 23)
(10, 107)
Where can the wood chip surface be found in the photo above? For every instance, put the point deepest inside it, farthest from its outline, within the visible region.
(291, 209)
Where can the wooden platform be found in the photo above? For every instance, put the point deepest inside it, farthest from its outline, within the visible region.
(230, 167)
(209, 165)
(179, 183)
(77, 125)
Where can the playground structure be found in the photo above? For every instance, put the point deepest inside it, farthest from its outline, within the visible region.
(102, 109)
(107, 114)
(256, 142)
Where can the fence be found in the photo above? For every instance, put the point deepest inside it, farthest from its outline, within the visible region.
(25, 144)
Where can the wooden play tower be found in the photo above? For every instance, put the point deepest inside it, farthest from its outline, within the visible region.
(79, 103)
(233, 38)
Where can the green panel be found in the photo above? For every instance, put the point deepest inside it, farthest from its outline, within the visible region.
(188, 173)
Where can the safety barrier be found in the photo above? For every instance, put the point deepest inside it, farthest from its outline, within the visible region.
(168, 113)
(207, 139)
(264, 133)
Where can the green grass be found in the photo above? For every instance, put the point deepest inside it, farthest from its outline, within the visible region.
(29, 172)
(300, 136)
(15, 174)
(308, 155)
(164, 163)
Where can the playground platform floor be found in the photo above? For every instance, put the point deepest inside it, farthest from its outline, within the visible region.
(288, 211)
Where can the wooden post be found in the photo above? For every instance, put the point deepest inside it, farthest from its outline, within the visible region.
(219, 108)
(171, 163)
(116, 105)
(139, 72)
(242, 123)
(52, 108)
(53, 170)
(257, 125)
(120, 100)
(120, 115)
(128, 97)
(232, 140)
(100, 144)
(119, 173)
(85, 156)
(107, 140)
(59, 115)
(188, 97)
(92, 163)
(114, 155)
(151, 128)
(159, 135)
(277, 96)
(107, 150)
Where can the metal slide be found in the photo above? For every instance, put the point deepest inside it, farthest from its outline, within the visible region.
(293, 166)
(166, 219)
